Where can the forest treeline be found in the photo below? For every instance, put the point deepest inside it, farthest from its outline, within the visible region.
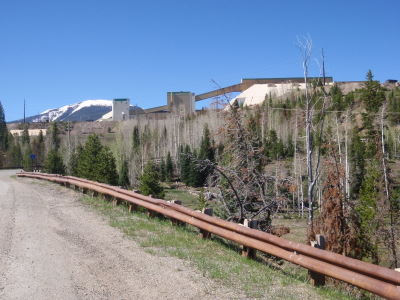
(255, 162)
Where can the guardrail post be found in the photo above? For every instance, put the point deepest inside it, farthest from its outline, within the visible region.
(203, 233)
(132, 207)
(247, 251)
(114, 201)
(317, 279)
(66, 184)
(175, 221)
(150, 213)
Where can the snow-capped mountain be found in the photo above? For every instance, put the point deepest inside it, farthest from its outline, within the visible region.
(82, 111)
(88, 110)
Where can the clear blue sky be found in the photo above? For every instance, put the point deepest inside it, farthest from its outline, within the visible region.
(57, 52)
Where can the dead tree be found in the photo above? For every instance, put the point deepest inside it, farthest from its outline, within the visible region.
(245, 191)
(313, 96)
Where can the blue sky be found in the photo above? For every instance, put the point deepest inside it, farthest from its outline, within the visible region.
(57, 52)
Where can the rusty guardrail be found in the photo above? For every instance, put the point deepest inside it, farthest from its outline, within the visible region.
(376, 279)
(371, 270)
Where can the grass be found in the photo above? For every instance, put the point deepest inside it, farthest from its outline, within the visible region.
(215, 258)
(188, 199)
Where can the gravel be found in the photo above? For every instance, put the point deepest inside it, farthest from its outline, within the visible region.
(53, 247)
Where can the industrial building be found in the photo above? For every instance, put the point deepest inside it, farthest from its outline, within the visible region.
(120, 109)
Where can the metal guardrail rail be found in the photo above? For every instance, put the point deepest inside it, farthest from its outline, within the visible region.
(376, 279)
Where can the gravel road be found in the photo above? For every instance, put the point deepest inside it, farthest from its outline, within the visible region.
(53, 247)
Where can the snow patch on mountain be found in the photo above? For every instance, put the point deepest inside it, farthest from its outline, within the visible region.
(71, 112)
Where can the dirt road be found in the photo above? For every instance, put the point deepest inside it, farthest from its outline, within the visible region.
(53, 247)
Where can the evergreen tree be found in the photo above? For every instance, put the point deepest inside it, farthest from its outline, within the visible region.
(97, 162)
(106, 167)
(185, 164)
(169, 168)
(25, 135)
(206, 152)
(149, 182)
(289, 152)
(196, 177)
(38, 148)
(135, 139)
(206, 147)
(14, 155)
(367, 212)
(3, 131)
(123, 179)
(372, 94)
(53, 163)
(27, 162)
(271, 145)
(55, 140)
(394, 108)
(338, 103)
(89, 158)
(163, 171)
(357, 160)
(74, 160)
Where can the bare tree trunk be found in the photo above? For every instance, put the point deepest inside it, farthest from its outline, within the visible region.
(295, 161)
(338, 140)
(301, 189)
(309, 141)
(347, 176)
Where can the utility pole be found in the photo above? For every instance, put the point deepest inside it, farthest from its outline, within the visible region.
(323, 66)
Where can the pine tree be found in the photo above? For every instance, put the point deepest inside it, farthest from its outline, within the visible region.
(106, 167)
(163, 171)
(38, 148)
(135, 139)
(372, 94)
(169, 168)
(89, 158)
(289, 151)
(338, 102)
(196, 177)
(357, 159)
(206, 152)
(74, 160)
(25, 136)
(97, 162)
(149, 182)
(394, 108)
(185, 164)
(123, 179)
(27, 162)
(55, 140)
(14, 155)
(53, 163)
(367, 211)
(3, 131)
